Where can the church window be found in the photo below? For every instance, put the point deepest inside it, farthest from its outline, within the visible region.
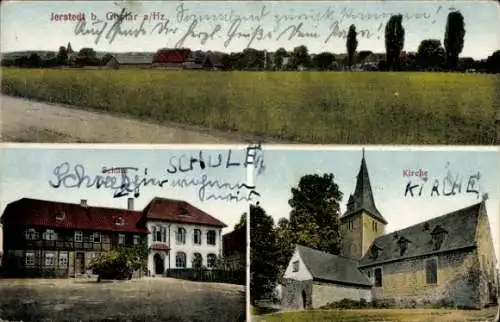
(350, 225)
(403, 246)
(431, 271)
(295, 267)
(378, 277)
(438, 235)
(374, 226)
(375, 252)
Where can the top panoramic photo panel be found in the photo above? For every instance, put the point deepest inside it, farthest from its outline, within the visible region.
(337, 72)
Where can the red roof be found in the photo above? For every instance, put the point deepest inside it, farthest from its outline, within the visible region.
(159, 246)
(177, 56)
(179, 211)
(41, 213)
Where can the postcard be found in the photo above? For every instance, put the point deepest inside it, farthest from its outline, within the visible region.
(376, 234)
(124, 233)
(337, 72)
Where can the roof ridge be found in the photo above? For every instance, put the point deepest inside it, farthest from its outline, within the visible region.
(74, 204)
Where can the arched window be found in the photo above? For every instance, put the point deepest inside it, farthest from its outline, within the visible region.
(197, 260)
(211, 260)
(197, 237)
(181, 235)
(180, 260)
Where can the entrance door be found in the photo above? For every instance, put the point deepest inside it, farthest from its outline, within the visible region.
(159, 265)
(304, 300)
(80, 263)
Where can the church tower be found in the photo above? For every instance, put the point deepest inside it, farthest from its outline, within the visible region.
(362, 222)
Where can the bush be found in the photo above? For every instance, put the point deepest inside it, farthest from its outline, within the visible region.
(119, 263)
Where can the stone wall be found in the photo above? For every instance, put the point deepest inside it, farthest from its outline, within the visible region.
(404, 282)
(292, 294)
(325, 293)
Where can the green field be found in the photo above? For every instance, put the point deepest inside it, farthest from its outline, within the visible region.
(414, 315)
(308, 107)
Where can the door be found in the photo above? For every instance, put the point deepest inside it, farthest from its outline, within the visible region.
(304, 300)
(159, 265)
(80, 263)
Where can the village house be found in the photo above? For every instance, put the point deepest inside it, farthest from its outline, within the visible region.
(130, 60)
(47, 238)
(234, 247)
(447, 260)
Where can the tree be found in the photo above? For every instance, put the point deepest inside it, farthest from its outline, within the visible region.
(430, 54)
(242, 222)
(394, 40)
(300, 57)
(454, 38)
(284, 238)
(62, 56)
(263, 253)
(119, 263)
(278, 58)
(314, 218)
(323, 61)
(87, 56)
(352, 44)
(493, 63)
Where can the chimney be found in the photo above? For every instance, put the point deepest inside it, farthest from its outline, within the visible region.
(130, 204)
(83, 202)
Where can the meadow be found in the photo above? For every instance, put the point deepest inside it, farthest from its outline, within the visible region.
(303, 107)
(365, 315)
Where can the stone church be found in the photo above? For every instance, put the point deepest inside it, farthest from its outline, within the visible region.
(448, 260)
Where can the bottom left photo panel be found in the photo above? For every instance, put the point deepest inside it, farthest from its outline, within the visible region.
(123, 233)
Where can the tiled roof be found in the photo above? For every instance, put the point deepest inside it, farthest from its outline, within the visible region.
(41, 213)
(328, 267)
(362, 199)
(460, 232)
(177, 56)
(160, 246)
(179, 211)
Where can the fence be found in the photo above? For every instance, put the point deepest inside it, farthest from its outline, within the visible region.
(209, 275)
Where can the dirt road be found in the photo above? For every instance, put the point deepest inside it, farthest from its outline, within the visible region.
(30, 121)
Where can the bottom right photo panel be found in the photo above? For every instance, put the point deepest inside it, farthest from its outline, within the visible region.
(375, 234)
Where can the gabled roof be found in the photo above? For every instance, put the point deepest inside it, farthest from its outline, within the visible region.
(176, 56)
(41, 213)
(333, 268)
(460, 226)
(363, 195)
(179, 211)
(134, 59)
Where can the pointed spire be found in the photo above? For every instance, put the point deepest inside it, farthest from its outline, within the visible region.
(363, 194)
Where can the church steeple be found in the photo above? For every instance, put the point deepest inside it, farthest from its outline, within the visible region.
(363, 194)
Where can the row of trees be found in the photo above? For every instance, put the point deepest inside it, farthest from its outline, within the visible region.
(313, 222)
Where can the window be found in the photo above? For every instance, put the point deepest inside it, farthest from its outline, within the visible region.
(49, 259)
(197, 237)
(403, 245)
(378, 277)
(211, 260)
(197, 260)
(295, 266)
(181, 235)
(180, 260)
(350, 224)
(136, 239)
(49, 234)
(29, 258)
(211, 237)
(63, 259)
(60, 215)
(97, 237)
(375, 252)
(78, 236)
(369, 273)
(159, 234)
(31, 234)
(121, 239)
(374, 226)
(431, 271)
(438, 235)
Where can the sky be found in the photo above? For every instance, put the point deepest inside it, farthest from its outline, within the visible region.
(284, 168)
(231, 25)
(28, 171)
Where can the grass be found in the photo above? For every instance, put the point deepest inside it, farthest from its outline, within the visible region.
(414, 315)
(308, 107)
(34, 135)
(147, 299)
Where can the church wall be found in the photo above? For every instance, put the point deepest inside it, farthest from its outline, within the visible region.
(325, 293)
(404, 282)
(352, 238)
(369, 234)
(488, 287)
(291, 294)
